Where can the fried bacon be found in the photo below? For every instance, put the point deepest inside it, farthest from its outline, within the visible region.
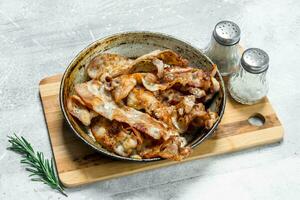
(207, 120)
(196, 112)
(156, 60)
(197, 79)
(122, 85)
(78, 109)
(96, 98)
(174, 148)
(139, 108)
(177, 116)
(170, 96)
(141, 99)
(112, 136)
(108, 65)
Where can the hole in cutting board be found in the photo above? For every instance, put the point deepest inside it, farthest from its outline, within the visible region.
(257, 119)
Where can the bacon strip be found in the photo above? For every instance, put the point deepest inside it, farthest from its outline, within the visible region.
(177, 116)
(157, 61)
(198, 79)
(167, 56)
(143, 105)
(122, 86)
(112, 136)
(95, 97)
(174, 148)
(77, 108)
(140, 98)
(108, 65)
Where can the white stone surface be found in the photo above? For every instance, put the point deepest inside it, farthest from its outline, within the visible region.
(39, 38)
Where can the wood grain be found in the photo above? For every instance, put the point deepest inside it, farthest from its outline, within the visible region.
(78, 164)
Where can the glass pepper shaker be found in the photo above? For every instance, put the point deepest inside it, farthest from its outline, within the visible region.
(223, 48)
(249, 85)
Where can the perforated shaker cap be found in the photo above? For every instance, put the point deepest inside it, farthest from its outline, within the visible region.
(255, 60)
(227, 33)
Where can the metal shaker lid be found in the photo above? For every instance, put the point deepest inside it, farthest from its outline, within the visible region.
(255, 60)
(227, 33)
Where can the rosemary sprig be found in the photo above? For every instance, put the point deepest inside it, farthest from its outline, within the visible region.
(42, 169)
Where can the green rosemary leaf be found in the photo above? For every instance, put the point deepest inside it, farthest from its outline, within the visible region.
(32, 170)
(41, 169)
(37, 179)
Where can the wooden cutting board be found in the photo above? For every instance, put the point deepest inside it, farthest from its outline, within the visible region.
(78, 164)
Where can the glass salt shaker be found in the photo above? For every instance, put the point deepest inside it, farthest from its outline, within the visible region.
(223, 48)
(249, 85)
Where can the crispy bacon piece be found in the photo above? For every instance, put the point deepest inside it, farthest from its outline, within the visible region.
(197, 111)
(152, 86)
(141, 99)
(148, 65)
(122, 86)
(169, 96)
(157, 61)
(207, 120)
(78, 109)
(168, 57)
(177, 70)
(112, 136)
(177, 116)
(197, 79)
(197, 92)
(143, 105)
(174, 149)
(101, 131)
(108, 65)
(171, 58)
(186, 105)
(99, 100)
